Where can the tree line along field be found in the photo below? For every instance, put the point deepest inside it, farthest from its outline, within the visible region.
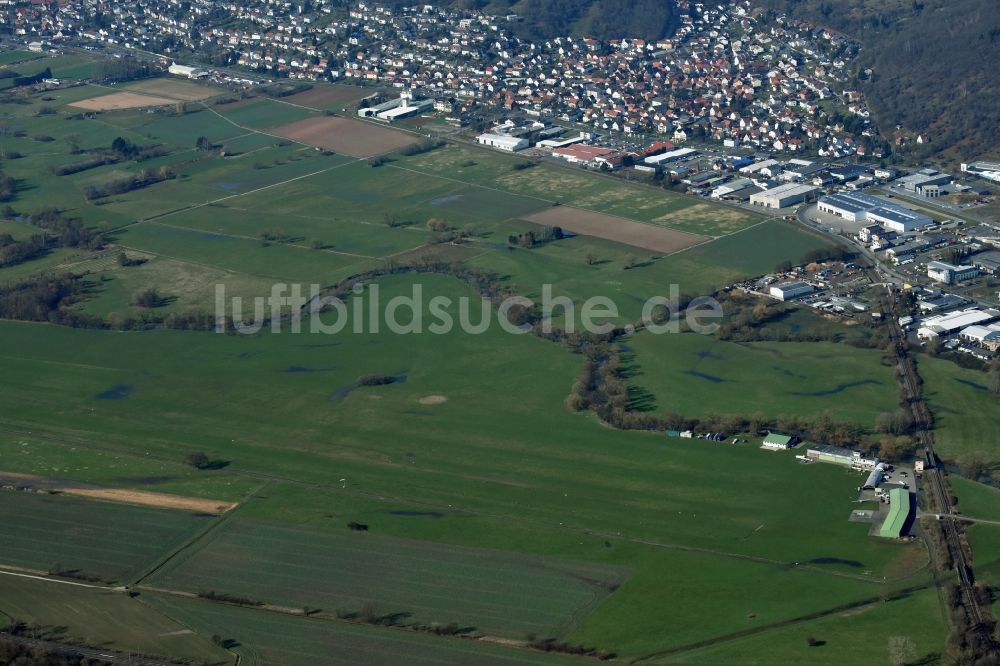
(475, 449)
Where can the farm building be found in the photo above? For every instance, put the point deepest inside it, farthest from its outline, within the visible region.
(839, 456)
(875, 478)
(186, 70)
(940, 271)
(777, 442)
(503, 142)
(783, 196)
(899, 514)
(953, 322)
(790, 290)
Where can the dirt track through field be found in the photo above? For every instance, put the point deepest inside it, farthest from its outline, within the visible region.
(619, 229)
(121, 100)
(119, 495)
(342, 135)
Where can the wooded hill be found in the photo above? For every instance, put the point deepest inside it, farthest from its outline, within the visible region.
(602, 19)
(932, 65)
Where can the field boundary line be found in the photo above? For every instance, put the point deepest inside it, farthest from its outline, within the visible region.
(194, 539)
(51, 579)
(809, 617)
(241, 237)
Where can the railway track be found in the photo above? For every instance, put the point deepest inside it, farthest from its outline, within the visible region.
(980, 619)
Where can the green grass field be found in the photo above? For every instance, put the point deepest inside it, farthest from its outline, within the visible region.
(497, 593)
(696, 375)
(489, 503)
(109, 541)
(966, 414)
(102, 618)
(976, 500)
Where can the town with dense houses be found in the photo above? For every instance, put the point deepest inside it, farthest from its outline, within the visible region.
(725, 75)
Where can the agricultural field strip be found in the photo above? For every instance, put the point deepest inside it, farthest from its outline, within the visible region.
(191, 207)
(61, 440)
(279, 567)
(254, 238)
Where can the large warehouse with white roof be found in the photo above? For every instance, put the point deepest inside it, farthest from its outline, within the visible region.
(860, 207)
(783, 196)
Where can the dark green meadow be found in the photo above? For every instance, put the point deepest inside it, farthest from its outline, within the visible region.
(489, 503)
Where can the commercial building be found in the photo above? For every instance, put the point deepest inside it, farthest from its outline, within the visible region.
(875, 478)
(920, 182)
(940, 271)
(396, 109)
(900, 510)
(778, 442)
(839, 456)
(584, 154)
(790, 290)
(670, 156)
(953, 322)
(860, 207)
(987, 336)
(783, 196)
(987, 170)
(186, 70)
(503, 142)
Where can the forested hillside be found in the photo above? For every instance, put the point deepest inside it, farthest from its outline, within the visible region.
(603, 19)
(933, 68)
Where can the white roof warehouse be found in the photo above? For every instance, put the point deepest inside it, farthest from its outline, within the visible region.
(952, 322)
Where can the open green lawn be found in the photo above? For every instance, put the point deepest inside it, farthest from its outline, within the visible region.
(695, 375)
(530, 477)
(98, 539)
(264, 638)
(966, 414)
(911, 629)
(102, 618)
(266, 113)
(976, 500)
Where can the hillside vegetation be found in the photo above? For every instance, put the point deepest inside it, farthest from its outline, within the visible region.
(930, 68)
(602, 19)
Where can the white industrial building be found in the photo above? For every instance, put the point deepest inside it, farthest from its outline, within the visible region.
(860, 207)
(397, 109)
(987, 170)
(940, 271)
(953, 322)
(783, 196)
(669, 156)
(790, 290)
(503, 142)
(186, 70)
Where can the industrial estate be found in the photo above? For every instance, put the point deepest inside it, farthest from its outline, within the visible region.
(217, 448)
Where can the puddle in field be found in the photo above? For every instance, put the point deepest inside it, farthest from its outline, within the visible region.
(346, 390)
(706, 376)
(444, 201)
(840, 388)
(116, 392)
(975, 385)
(836, 560)
(417, 514)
